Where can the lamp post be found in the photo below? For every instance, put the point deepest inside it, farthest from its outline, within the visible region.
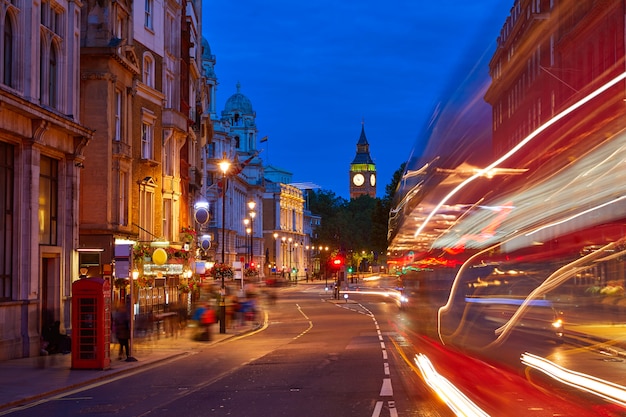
(289, 249)
(297, 259)
(246, 222)
(224, 167)
(307, 262)
(275, 248)
(284, 257)
(251, 206)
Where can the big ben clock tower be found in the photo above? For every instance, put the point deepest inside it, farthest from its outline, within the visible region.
(362, 169)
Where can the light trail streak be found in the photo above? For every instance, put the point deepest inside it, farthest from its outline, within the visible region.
(588, 383)
(572, 217)
(519, 146)
(458, 402)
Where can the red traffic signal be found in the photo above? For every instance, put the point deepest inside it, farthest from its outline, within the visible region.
(337, 262)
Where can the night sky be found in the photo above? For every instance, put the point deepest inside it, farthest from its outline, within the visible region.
(315, 71)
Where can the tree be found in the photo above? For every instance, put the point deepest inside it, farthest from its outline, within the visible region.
(357, 225)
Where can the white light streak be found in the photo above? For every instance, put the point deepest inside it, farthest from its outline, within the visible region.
(519, 146)
(588, 383)
(458, 402)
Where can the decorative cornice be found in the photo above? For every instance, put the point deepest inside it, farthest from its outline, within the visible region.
(96, 76)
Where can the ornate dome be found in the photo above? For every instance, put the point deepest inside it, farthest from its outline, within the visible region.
(206, 49)
(238, 103)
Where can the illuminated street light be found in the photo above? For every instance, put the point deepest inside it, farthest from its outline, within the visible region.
(224, 167)
(251, 206)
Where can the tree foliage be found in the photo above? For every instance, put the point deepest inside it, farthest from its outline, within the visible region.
(357, 226)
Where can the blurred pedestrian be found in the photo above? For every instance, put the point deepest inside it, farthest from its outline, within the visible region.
(122, 331)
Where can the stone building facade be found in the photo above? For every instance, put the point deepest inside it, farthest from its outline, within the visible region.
(42, 145)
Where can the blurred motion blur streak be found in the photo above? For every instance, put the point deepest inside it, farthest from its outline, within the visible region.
(605, 389)
(485, 172)
(451, 395)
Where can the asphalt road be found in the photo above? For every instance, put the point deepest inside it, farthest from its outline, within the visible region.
(322, 357)
(316, 357)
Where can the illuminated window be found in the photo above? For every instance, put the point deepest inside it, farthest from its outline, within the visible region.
(48, 200)
(146, 212)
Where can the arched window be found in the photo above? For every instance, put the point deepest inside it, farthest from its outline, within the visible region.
(148, 71)
(43, 73)
(7, 74)
(53, 78)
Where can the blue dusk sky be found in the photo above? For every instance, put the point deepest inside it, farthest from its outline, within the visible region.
(315, 70)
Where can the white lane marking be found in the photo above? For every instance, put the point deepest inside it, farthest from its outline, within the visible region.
(377, 409)
(384, 354)
(386, 390)
(393, 412)
(386, 366)
(382, 345)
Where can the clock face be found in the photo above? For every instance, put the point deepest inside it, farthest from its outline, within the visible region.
(358, 179)
(373, 180)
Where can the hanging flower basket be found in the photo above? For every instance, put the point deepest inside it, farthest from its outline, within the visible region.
(176, 255)
(141, 252)
(222, 271)
(188, 234)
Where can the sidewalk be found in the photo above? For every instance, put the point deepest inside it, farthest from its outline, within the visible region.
(27, 379)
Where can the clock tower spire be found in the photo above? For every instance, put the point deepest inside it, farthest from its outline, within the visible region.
(362, 169)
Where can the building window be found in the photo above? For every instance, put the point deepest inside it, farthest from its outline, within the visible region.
(146, 212)
(7, 162)
(167, 219)
(118, 116)
(168, 158)
(169, 91)
(122, 188)
(149, 7)
(148, 71)
(7, 44)
(49, 77)
(48, 200)
(147, 133)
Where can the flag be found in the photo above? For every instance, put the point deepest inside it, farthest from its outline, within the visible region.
(263, 139)
(239, 166)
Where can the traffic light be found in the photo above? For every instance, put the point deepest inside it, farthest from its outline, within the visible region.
(350, 269)
(337, 262)
(252, 265)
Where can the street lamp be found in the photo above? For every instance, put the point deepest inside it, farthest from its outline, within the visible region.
(251, 206)
(307, 262)
(224, 167)
(284, 245)
(275, 249)
(297, 260)
(289, 249)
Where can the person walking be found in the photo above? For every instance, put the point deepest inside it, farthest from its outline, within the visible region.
(122, 332)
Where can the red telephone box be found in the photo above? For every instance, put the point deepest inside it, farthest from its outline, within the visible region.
(91, 324)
